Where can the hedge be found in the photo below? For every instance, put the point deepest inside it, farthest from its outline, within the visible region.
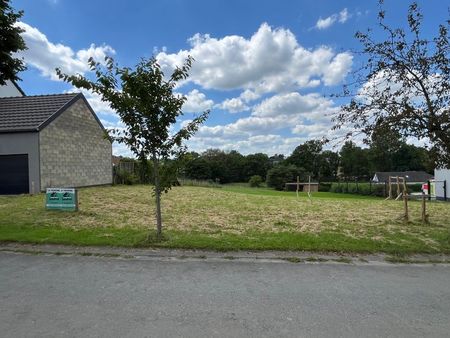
(367, 188)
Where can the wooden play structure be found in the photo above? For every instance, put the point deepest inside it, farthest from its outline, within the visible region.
(308, 187)
(400, 183)
(402, 192)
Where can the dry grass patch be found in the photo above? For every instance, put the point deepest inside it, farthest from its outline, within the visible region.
(217, 212)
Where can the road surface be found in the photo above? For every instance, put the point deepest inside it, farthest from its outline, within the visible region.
(77, 296)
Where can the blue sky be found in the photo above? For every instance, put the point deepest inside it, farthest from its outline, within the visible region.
(264, 68)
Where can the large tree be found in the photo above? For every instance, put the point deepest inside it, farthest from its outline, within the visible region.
(11, 42)
(329, 165)
(354, 161)
(256, 164)
(384, 144)
(405, 84)
(307, 156)
(146, 103)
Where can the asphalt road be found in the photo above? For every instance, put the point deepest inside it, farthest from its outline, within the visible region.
(75, 296)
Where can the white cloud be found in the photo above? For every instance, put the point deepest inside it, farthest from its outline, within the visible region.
(325, 23)
(234, 105)
(197, 102)
(340, 17)
(249, 96)
(95, 100)
(46, 55)
(292, 104)
(270, 61)
(306, 116)
(344, 15)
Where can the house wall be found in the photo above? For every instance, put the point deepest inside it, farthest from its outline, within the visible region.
(439, 176)
(24, 143)
(74, 151)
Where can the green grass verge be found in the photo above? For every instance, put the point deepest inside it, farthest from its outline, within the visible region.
(128, 237)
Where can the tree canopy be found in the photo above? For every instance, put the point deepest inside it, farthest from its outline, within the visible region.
(10, 42)
(404, 84)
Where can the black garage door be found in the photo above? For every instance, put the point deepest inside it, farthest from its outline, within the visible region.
(13, 174)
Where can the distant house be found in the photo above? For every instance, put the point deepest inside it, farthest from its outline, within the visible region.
(116, 160)
(412, 177)
(442, 184)
(50, 141)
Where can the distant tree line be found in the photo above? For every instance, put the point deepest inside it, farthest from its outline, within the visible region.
(386, 151)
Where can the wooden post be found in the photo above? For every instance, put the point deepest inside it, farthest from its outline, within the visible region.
(398, 186)
(390, 188)
(445, 190)
(405, 200)
(309, 187)
(424, 209)
(298, 184)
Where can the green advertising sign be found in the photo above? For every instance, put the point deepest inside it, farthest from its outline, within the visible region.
(61, 199)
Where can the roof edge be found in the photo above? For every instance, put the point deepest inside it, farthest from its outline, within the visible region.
(18, 131)
(58, 112)
(67, 106)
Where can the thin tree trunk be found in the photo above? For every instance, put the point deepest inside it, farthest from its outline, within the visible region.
(158, 198)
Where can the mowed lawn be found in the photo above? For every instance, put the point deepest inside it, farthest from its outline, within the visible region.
(230, 218)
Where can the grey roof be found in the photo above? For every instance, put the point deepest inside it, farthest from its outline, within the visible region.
(411, 176)
(32, 113)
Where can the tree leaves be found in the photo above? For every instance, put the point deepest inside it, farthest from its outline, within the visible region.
(405, 83)
(11, 42)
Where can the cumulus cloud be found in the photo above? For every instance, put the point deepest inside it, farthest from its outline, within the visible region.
(197, 102)
(46, 55)
(249, 96)
(305, 116)
(270, 61)
(302, 106)
(233, 105)
(327, 22)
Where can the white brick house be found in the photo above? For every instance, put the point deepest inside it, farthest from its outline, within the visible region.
(51, 141)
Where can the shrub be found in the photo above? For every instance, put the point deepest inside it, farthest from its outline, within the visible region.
(255, 181)
(125, 177)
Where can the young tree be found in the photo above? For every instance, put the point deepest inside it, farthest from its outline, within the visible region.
(10, 42)
(405, 84)
(147, 105)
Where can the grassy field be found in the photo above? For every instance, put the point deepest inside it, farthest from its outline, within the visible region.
(230, 218)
